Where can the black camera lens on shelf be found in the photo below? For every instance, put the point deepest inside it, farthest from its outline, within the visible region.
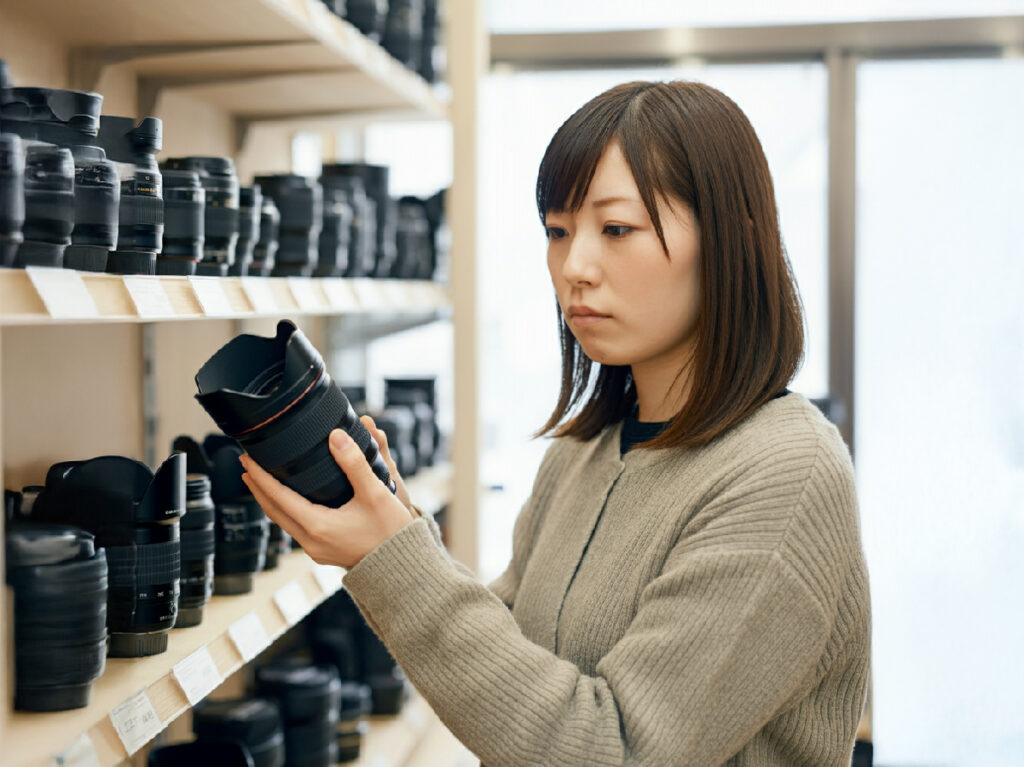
(300, 202)
(219, 179)
(133, 146)
(49, 206)
(375, 180)
(250, 209)
(309, 698)
(279, 543)
(254, 722)
(12, 196)
(59, 582)
(403, 32)
(334, 237)
(362, 238)
(205, 751)
(134, 515)
(198, 534)
(356, 704)
(275, 397)
(399, 424)
(412, 240)
(184, 225)
(419, 396)
(429, 48)
(242, 529)
(265, 254)
(368, 16)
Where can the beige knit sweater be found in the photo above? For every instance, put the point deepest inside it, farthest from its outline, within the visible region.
(682, 607)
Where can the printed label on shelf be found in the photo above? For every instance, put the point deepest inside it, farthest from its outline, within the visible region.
(258, 291)
(339, 294)
(292, 602)
(198, 675)
(136, 722)
(249, 636)
(329, 577)
(305, 294)
(63, 292)
(211, 296)
(81, 753)
(371, 297)
(149, 296)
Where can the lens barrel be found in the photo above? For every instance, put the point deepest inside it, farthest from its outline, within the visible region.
(362, 241)
(403, 31)
(300, 202)
(49, 206)
(356, 704)
(12, 197)
(255, 722)
(265, 254)
(250, 209)
(335, 235)
(204, 751)
(309, 698)
(184, 223)
(275, 397)
(375, 180)
(97, 200)
(219, 179)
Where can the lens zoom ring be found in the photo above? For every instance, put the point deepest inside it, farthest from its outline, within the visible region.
(150, 564)
(196, 544)
(306, 431)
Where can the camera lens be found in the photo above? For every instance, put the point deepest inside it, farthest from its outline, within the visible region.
(334, 238)
(431, 35)
(12, 197)
(417, 394)
(309, 698)
(134, 515)
(265, 253)
(184, 228)
(49, 206)
(403, 31)
(362, 243)
(97, 198)
(218, 177)
(300, 202)
(276, 398)
(250, 204)
(356, 704)
(279, 543)
(133, 147)
(368, 16)
(399, 424)
(375, 181)
(242, 529)
(60, 614)
(198, 534)
(412, 240)
(255, 722)
(205, 751)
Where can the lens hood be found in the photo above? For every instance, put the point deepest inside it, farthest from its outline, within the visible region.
(32, 544)
(304, 692)
(126, 139)
(250, 720)
(77, 110)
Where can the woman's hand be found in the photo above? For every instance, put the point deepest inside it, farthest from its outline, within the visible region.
(382, 442)
(341, 536)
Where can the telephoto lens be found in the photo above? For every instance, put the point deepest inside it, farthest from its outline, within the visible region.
(59, 580)
(133, 147)
(403, 31)
(412, 239)
(375, 181)
(198, 535)
(368, 16)
(12, 197)
(218, 177)
(356, 704)
(275, 397)
(301, 203)
(265, 253)
(49, 206)
(184, 223)
(253, 722)
(309, 698)
(362, 238)
(334, 237)
(242, 529)
(134, 515)
(250, 208)
(220, 752)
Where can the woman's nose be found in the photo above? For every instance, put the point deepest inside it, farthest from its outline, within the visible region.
(581, 262)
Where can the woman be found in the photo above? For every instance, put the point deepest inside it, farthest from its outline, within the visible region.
(687, 585)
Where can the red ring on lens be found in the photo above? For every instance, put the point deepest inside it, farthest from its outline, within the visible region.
(284, 409)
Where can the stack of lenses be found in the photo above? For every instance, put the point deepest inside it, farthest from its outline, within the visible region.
(134, 515)
(418, 396)
(242, 529)
(412, 240)
(368, 16)
(12, 197)
(184, 223)
(49, 206)
(133, 146)
(255, 723)
(309, 698)
(356, 704)
(334, 237)
(403, 31)
(301, 205)
(220, 752)
(375, 181)
(362, 238)
(218, 177)
(59, 581)
(250, 208)
(276, 398)
(265, 254)
(198, 535)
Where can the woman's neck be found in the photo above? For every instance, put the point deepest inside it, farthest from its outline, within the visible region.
(660, 396)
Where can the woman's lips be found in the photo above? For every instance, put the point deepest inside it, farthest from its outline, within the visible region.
(586, 320)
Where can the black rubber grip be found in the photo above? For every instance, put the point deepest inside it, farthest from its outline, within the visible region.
(149, 564)
(330, 411)
(196, 544)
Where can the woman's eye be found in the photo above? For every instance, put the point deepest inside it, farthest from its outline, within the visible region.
(555, 232)
(617, 230)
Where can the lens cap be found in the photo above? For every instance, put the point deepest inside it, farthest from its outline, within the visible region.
(33, 544)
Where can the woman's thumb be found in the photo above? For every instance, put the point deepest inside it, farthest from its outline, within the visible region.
(352, 461)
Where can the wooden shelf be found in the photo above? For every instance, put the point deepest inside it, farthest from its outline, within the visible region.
(56, 296)
(258, 59)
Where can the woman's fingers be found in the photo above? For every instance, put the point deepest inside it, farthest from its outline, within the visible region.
(274, 498)
(352, 461)
(382, 442)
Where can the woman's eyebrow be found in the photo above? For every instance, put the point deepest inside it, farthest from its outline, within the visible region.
(609, 200)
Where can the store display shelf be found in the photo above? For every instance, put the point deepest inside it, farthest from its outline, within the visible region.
(257, 59)
(53, 296)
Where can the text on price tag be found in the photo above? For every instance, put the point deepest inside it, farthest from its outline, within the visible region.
(198, 675)
(136, 722)
(249, 636)
(292, 602)
(149, 296)
(211, 296)
(79, 754)
(63, 292)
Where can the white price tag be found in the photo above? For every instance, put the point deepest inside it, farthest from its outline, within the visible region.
(149, 296)
(79, 754)
(339, 294)
(63, 292)
(249, 636)
(329, 577)
(211, 296)
(198, 675)
(257, 289)
(292, 602)
(371, 297)
(136, 722)
(304, 293)
(380, 760)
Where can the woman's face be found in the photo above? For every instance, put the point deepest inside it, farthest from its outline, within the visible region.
(606, 258)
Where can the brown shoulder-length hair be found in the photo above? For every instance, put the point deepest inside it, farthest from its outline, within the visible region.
(685, 141)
